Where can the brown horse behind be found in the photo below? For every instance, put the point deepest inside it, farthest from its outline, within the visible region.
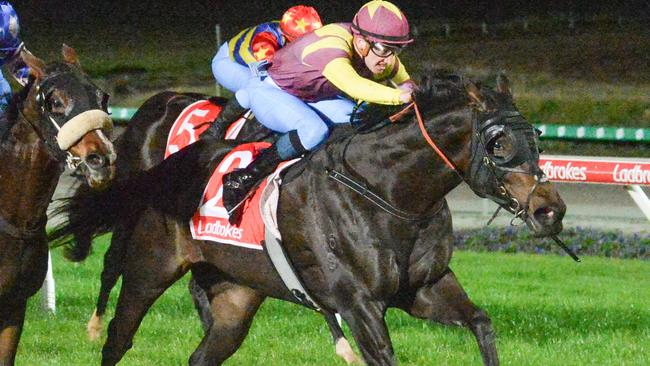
(57, 118)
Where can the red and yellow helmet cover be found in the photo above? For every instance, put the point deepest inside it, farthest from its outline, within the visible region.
(298, 20)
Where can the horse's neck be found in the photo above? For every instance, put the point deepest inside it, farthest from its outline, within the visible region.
(28, 176)
(398, 163)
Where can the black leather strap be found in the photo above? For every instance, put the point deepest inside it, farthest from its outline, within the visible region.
(378, 201)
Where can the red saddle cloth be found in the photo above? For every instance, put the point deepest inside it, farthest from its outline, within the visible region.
(210, 222)
(184, 131)
(191, 123)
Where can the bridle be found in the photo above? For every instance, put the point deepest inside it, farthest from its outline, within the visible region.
(41, 96)
(487, 129)
(484, 130)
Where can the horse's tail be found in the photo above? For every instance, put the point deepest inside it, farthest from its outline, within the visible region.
(174, 187)
(79, 249)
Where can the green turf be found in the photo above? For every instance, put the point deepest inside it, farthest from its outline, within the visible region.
(546, 310)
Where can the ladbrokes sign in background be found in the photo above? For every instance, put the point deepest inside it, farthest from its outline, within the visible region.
(596, 170)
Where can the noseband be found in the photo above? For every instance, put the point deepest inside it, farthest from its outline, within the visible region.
(40, 91)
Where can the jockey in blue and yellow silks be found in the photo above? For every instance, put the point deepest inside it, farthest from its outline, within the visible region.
(230, 65)
(314, 83)
(10, 47)
(254, 44)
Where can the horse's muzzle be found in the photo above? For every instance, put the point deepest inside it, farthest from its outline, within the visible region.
(547, 220)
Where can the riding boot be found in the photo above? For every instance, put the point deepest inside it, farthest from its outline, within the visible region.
(229, 113)
(238, 183)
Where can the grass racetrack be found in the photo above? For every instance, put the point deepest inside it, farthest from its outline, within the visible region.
(546, 310)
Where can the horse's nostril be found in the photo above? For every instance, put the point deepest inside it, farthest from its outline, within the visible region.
(546, 215)
(95, 161)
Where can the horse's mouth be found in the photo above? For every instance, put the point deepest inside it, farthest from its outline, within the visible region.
(546, 221)
(101, 181)
(97, 179)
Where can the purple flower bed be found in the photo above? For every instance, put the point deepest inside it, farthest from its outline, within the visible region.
(583, 241)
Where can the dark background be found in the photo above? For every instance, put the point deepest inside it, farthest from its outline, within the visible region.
(125, 16)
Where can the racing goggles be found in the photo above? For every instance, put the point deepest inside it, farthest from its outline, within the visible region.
(384, 50)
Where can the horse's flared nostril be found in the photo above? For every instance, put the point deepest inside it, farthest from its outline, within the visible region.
(547, 215)
(95, 161)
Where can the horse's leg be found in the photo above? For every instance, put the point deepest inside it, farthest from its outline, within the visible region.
(151, 264)
(446, 302)
(233, 308)
(137, 295)
(365, 317)
(201, 303)
(113, 264)
(12, 318)
(343, 348)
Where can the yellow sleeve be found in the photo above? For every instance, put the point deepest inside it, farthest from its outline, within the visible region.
(341, 73)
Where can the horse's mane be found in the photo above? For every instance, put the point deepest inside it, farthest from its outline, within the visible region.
(437, 90)
(440, 91)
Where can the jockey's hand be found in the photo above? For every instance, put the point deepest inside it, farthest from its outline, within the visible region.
(406, 97)
(408, 86)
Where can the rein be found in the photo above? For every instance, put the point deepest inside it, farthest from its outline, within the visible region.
(378, 201)
(509, 203)
(374, 198)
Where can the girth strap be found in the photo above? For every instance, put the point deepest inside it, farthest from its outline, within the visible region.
(278, 257)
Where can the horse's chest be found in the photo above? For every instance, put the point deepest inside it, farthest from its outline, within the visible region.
(22, 266)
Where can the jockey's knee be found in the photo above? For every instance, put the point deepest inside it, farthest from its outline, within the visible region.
(243, 98)
(312, 134)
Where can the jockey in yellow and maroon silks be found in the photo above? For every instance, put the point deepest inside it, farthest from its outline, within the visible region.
(230, 66)
(315, 81)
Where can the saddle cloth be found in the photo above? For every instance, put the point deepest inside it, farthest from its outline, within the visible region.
(259, 215)
(210, 222)
(191, 123)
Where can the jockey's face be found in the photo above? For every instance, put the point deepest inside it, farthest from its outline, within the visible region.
(375, 56)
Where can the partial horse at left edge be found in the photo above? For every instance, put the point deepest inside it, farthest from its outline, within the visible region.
(59, 118)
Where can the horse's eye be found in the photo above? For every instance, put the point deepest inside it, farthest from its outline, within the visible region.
(500, 147)
(56, 105)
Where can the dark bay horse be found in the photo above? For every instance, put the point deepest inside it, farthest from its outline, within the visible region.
(140, 147)
(356, 253)
(57, 119)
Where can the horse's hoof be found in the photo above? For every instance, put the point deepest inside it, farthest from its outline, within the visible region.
(94, 327)
(344, 350)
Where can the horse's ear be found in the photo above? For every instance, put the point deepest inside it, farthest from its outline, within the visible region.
(70, 55)
(35, 64)
(475, 95)
(503, 84)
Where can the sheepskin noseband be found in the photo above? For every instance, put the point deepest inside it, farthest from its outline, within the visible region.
(73, 130)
